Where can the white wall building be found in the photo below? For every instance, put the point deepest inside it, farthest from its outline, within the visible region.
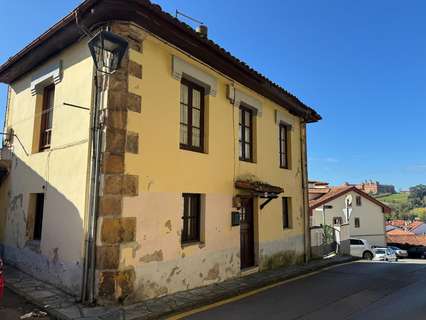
(347, 204)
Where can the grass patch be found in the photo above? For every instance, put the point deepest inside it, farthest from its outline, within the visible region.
(394, 198)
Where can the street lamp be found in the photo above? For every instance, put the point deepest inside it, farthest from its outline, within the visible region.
(107, 50)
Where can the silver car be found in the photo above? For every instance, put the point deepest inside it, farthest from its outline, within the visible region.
(384, 254)
(399, 252)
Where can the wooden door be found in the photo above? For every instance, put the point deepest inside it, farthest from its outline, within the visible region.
(247, 234)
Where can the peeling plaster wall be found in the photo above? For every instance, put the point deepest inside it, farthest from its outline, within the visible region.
(162, 264)
(283, 252)
(60, 173)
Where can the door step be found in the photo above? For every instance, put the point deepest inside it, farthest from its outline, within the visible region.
(248, 271)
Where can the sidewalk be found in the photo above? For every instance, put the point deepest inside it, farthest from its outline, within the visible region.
(64, 307)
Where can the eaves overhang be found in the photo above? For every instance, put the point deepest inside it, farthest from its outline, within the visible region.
(152, 18)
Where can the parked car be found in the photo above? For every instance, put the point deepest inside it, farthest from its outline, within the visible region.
(417, 252)
(361, 248)
(1, 279)
(399, 252)
(384, 254)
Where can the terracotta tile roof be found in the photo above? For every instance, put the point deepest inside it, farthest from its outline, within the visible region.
(329, 195)
(400, 232)
(335, 192)
(415, 224)
(154, 17)
(398, 223)
(321, 183)
(319, 190)
(408, 239)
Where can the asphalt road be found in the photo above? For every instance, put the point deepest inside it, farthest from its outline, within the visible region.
(361, 291)
(12, 307)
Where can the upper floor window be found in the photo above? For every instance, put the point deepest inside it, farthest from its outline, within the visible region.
(358, 201)
(191, 116)
(246, 134)
(284, 157)
(47, 117)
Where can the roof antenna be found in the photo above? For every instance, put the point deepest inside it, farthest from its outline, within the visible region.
(201, 29)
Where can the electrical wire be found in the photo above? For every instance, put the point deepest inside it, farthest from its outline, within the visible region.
(38, 114)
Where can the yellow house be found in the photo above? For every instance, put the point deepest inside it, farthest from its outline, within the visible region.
(202, 160)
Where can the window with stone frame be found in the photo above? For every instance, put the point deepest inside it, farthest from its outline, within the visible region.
(191, 116)
(191, 231)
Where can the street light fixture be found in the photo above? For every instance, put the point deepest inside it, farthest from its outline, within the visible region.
(107, 50)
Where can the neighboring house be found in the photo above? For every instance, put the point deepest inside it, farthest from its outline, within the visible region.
(364, 213)
(202, 170)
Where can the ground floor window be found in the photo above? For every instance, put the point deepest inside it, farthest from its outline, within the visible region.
(286, 212)
(191, 217)
(35, 216)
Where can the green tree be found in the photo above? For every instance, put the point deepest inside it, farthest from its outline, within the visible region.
(417, 196)
(419, 213)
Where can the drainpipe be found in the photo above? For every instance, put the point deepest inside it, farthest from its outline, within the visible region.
(6, 113)
(89, 270)
(304, 167)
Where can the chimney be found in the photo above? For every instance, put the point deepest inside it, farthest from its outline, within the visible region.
(202, 30)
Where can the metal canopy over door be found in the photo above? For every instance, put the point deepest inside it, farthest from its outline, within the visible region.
(247, 234)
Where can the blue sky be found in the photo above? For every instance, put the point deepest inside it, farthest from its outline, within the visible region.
(360, 64)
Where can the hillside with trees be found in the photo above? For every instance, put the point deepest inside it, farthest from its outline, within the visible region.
(407, 205)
